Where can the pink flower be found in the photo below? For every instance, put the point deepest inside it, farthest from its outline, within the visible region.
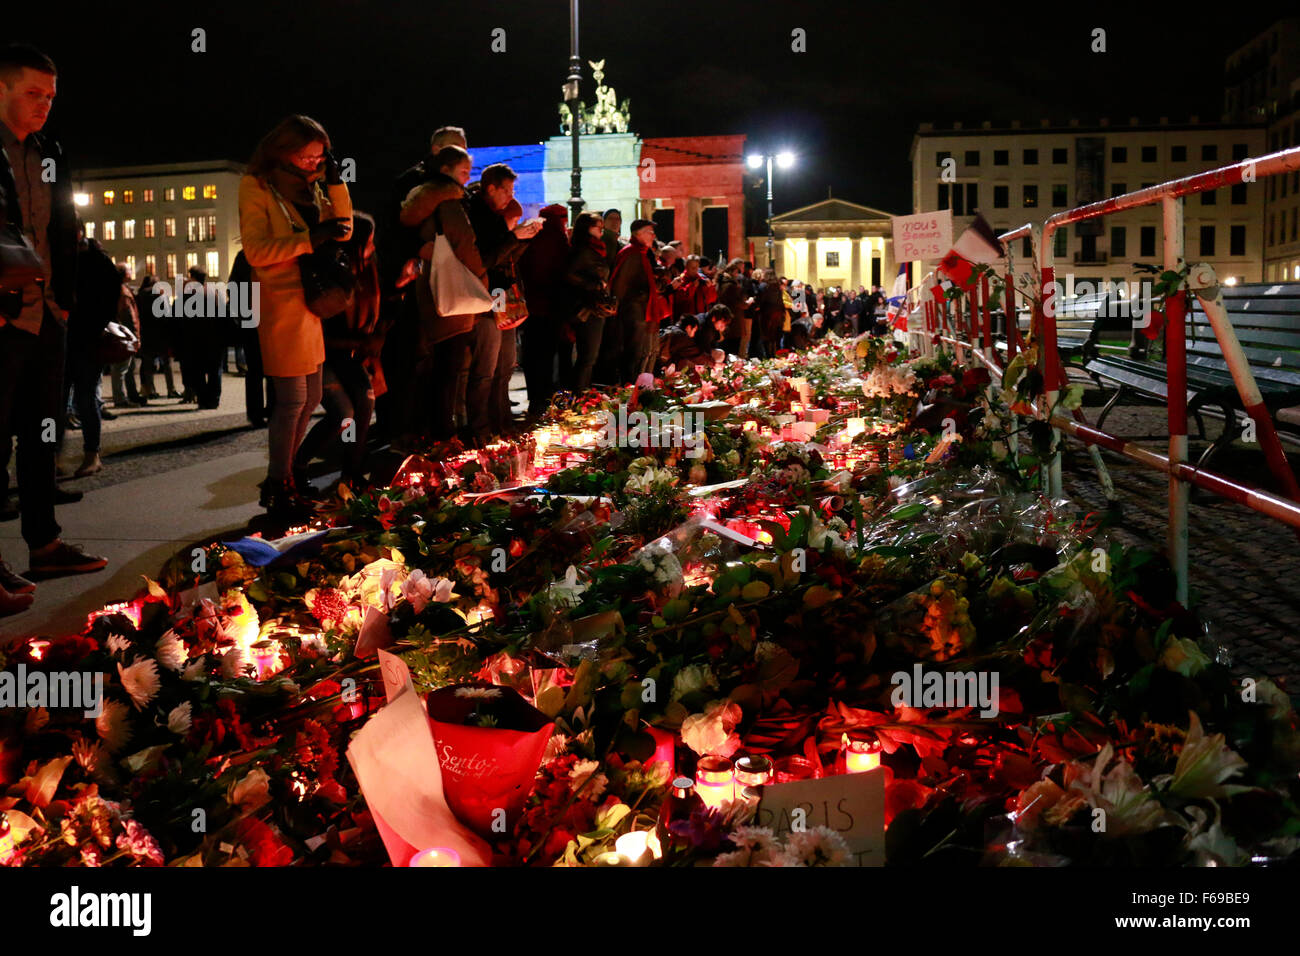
(137, 841)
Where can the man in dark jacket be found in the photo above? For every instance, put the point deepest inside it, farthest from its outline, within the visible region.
(613, 226)
(629, 339)
(38, 248)
(487, 401)
(541, 269)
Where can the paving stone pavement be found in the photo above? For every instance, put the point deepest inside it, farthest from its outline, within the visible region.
(1244, 568)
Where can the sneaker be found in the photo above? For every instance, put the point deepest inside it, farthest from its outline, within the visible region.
(13, 582)
(62, 558)
(91, 465)
(107, 416)
(13, 603)
(64, 497)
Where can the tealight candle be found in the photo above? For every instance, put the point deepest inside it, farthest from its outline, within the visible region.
(635, 845)
(436, 856)
(714, 781)
(753, 771)
(796, 408)
(857, 426)
(612, 859)
(861, 751)
(750, 426)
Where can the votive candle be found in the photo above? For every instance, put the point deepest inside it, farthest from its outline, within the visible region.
(714, 781)
(861, 751)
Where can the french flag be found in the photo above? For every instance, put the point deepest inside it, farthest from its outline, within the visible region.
(977, 245)
(897, 313)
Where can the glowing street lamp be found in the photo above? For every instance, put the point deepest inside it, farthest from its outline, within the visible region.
(784, 160)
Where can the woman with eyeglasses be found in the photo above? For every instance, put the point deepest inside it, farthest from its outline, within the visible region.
(291, 201)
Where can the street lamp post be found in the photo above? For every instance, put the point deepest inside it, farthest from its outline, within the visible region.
(784, 160)
(572, 96)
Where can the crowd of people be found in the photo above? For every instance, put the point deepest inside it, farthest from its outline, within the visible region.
(424, 350)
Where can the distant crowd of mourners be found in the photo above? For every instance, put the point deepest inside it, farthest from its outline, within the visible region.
(424, 351)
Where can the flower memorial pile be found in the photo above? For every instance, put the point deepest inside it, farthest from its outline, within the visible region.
(848, 515)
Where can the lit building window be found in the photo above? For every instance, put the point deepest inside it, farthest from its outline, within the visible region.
(130, 267)
(148, 228)
(192, 229)
(147, 196)
(128, 195)
(212, 226)
(90, 230)
(832, 260)
(189, 192)
(128, 228)
(151, 264)
(169, 194)
(210, 191)
(169, 227)
(191, 260)
(81, 199)
(171, 264)
(108, 197)
(110, 231)
(212, 265)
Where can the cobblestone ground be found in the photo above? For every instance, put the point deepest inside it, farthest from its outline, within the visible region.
(1244, 568)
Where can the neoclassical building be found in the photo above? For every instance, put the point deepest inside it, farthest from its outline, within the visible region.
(831, 243)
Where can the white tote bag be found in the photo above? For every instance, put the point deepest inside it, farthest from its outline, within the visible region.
(456, 290)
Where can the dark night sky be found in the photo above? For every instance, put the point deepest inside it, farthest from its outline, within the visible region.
(382, 75)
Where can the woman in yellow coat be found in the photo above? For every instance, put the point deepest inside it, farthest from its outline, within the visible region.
(284, 213)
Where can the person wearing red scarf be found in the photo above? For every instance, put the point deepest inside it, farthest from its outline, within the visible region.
(641, 306)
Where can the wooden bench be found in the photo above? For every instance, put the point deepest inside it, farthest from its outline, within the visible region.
(1266, 317)
(1078, 328)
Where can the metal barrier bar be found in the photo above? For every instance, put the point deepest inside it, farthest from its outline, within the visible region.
(1176, 369)
(1263, 502)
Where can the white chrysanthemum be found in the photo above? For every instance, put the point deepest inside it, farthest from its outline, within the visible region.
(478, 692)
(235, 663)
(583, 771)
(114, 725)
(117, 644)
(171, 651)
(140, 680)
(819, 846)
(180, 718)
(194, 670)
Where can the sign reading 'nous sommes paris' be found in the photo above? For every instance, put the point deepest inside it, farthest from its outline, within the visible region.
(924, 236)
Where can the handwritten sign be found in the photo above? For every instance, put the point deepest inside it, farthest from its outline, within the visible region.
(397, 676)
(926, 236)
(851, 804)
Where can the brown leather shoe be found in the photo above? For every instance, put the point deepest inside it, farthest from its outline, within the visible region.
(61, 558)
